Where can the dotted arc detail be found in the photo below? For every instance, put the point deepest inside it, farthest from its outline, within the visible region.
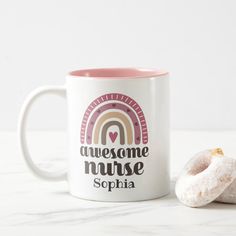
(118, 106)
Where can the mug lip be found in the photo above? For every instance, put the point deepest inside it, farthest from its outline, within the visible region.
(118, 73)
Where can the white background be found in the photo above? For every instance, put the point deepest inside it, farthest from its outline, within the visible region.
(40, 41)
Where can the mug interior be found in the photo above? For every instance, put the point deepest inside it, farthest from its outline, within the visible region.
(118, 73)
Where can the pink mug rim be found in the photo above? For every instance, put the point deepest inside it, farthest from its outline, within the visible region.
(118, 73)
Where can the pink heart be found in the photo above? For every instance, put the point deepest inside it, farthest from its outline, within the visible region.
(113, 136)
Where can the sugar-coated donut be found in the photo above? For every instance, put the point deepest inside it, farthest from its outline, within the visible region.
(205, 177)
(229, 195)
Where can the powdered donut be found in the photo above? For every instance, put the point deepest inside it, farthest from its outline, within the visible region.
(205, 177)
(229, 195)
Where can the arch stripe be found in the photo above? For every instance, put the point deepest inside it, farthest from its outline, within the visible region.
(117, 106)
(106, 127)
(109, 115)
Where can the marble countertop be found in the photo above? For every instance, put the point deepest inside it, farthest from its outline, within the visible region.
(30, 205)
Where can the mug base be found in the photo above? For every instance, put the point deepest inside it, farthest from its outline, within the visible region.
(121, 200)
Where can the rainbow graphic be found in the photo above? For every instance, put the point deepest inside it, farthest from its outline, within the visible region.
(114, 109)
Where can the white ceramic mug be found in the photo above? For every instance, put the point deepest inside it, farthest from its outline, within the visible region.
(118, 129)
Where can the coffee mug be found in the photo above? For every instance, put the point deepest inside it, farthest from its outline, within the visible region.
(118, 133)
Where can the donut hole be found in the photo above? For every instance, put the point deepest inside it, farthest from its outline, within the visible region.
(199, 166)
